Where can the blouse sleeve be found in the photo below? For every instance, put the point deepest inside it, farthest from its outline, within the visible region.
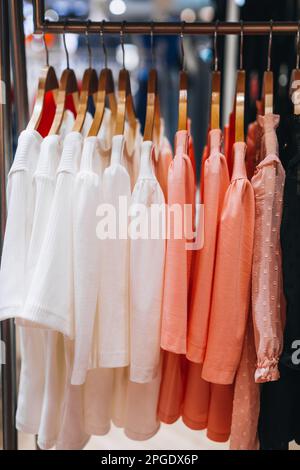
(231, 292)
(174, 320)
(266, 272)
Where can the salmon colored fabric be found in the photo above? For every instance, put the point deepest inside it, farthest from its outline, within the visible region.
(267, 288)
(181, 191)
(215, 182)
(207, 406)
(232, 279)
(172, 387)
(181, 188)
(246, 398)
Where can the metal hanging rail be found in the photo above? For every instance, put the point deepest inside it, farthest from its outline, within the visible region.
(162, 28)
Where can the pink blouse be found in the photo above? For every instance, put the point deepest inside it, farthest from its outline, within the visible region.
(267, 293)
(245, 411)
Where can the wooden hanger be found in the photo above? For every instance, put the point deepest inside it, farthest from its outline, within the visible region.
(67, 85)
(240, 96)
(267, 92)
(106, 91)
(215, 88)
(152, 121)
(183, 87)
(88, 88)
(295, 77)
(47, 82)
(125, 107)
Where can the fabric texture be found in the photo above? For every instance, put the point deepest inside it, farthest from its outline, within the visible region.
(181, 192)
(50, 298)
(232, 280)
(20, 207)
(147, 257)
(267, 291)
(215, 181)
(87, 194)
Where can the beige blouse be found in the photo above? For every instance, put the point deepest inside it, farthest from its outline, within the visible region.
(267, 293)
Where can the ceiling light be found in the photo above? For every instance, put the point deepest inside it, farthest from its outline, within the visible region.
(240, 3)
(188, 15)
(117, 7)
(206, 13)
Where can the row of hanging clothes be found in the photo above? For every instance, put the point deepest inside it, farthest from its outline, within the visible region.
(139, 331)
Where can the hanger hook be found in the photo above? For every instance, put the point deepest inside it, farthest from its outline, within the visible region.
(122, 42)
(65, 46)
(241, 45)
(87, 40)
(298, 46)
(46, 47)
(103, 43)
(152, 44)
(182, 46)
(270, 45)
(216, 60)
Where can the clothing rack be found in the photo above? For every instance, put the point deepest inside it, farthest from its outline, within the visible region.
(14, 29)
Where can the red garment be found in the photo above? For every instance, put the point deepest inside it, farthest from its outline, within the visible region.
(49, 112)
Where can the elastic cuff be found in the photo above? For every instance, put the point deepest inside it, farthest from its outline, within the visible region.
(267, 371)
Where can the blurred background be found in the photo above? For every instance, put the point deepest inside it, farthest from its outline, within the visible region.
(198, 59)
(198, 52)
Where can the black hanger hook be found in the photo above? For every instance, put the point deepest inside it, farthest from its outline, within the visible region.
(241, 45)
(46, 47)
(152, 45)
(182, 46)
(87, 40)
(216, 59)
(122, 42)
(103, 43)
(65, 46)
(270, 45)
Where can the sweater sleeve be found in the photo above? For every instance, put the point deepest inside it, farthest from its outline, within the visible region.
(231, 292)
(86, 269)
(174, 320)
(147, 257)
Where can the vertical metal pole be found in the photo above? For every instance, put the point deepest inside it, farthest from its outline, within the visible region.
(8, 370)
(19, 63)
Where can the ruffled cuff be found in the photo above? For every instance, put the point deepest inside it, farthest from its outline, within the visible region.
(267, 370)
